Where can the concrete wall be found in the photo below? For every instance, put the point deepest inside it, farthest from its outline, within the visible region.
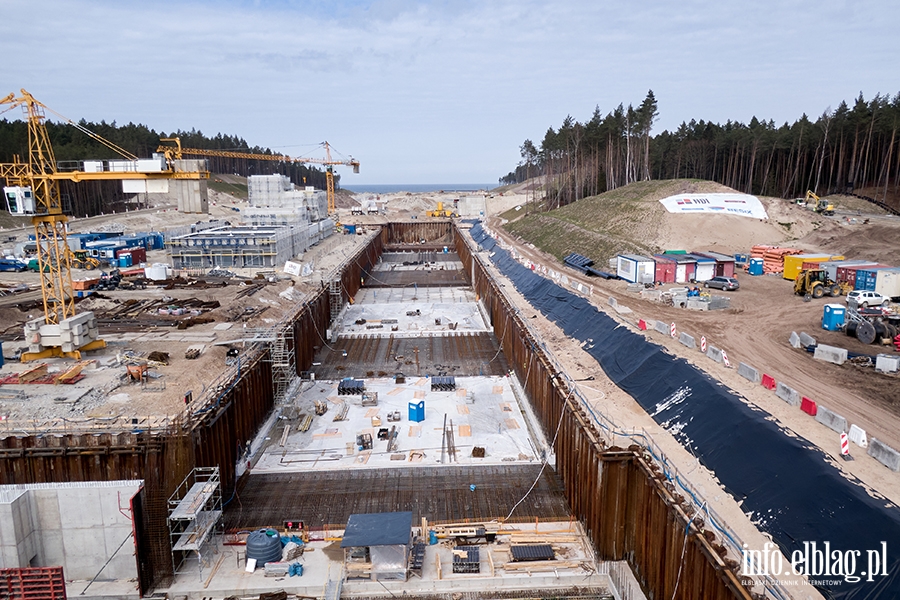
(77, 526)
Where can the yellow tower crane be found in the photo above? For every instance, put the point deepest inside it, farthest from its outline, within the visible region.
(61, 332)
(176, 152)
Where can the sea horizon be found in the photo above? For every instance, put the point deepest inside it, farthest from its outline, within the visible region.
(392, 188)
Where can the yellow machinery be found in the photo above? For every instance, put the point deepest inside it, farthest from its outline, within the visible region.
(80, 260)
(441, 212)
(823, 207)
(814, 283)
(176, 152)
(60, 332)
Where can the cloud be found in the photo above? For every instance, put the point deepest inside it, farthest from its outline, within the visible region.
(438, 91)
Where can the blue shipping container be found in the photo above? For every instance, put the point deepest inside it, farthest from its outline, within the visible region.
(866, 278)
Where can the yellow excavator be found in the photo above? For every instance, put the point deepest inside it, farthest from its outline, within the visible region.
(823, 207)
(814, 283)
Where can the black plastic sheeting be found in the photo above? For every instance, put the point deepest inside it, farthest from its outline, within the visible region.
(790, 488)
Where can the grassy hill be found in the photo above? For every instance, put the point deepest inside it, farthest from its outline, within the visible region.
(627, 219)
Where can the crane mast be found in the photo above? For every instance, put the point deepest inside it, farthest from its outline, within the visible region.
(61, 332)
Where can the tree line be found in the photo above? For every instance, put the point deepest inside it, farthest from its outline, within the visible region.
(71, 145)
(853, 148)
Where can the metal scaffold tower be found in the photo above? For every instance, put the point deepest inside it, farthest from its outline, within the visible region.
(334, 289)
(283, 371)
(195, 516)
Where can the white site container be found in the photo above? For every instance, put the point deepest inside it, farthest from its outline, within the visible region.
(635, 268)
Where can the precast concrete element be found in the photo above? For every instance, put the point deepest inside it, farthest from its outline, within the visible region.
(748, 372)
(788, 394)
(714, 353)
(807, 340)
(831, 354)
(613, 302)
(687, 340)
(661, 327)
(831, 419)
(858, 436)
(693, 304)
(794, 339)
(884, 454)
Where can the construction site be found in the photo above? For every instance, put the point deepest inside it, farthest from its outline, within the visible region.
(434, 407)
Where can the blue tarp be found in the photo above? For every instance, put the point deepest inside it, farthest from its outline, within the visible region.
(790, 488)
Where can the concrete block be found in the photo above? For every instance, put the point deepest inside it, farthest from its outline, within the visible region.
(661, 327)
(85, 552)
(748, 372)
(693, 304)
(807, 340)
(9, 558)
(788, 394)
(794, 339)
(653, 295)
(50, 548)
(714, 353)
(687, 340)
(680, 300)
(884, 454)
(122, 566)
(613, 302)
(858, 436)
(831, 354)
(46, 511)
(887, 363)
(831, 420)
(81, 507)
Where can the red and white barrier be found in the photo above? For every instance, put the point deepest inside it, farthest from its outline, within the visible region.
(672, 331)
(845, 444)
(725, 359)
(703, 344)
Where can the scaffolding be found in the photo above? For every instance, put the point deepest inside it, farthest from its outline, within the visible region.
(337, 303)
(245, 246)
(282, 358)
(195, 519)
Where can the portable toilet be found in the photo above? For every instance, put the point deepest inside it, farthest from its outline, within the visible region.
(756, 266)
(417, 411)
(833, 317)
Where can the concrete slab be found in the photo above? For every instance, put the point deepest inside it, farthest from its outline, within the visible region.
(484, 412)
(392, 318)
(323, 560)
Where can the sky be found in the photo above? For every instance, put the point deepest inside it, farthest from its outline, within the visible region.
(440, 91)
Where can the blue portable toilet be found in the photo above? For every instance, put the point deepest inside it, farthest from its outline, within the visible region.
(833, 317)
(756, 266)
(417, 411)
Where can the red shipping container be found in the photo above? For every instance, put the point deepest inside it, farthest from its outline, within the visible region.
(665, 269)
(808, 406)
(138, 254)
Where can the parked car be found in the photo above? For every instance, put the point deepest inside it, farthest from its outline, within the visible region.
(12, 264)
(729, 284)
(866, 298)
